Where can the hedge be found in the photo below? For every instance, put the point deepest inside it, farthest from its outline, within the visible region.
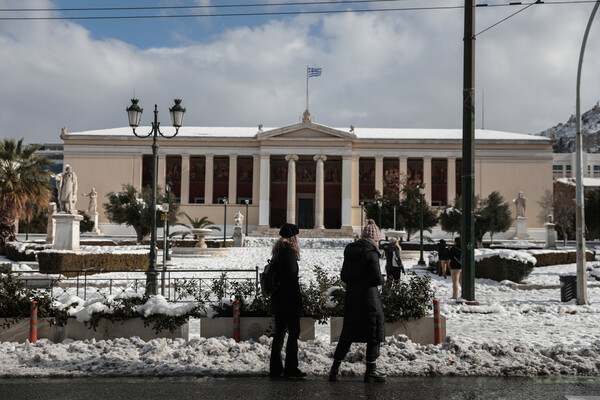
(546, 258)
(499, 269)
(58, 262)
(13, 254)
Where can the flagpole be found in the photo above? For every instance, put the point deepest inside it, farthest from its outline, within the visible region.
(307, 87)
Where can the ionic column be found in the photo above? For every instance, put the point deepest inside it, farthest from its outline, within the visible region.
(255, 179)
(403, 169)
(379, 174)
(209, 178)
(232, 193)
(320, 192)
(162, 171)
(451, 180)
(185, 179)
(265, 186)
(349, 188)
(291, 188)
(427, 178)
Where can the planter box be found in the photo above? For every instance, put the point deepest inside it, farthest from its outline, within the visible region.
(76, 330)
(251, 327)
(418, 330)
(19, 332)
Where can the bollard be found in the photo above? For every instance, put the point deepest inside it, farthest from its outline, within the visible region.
(437, 323)
(33, 322)
(236, 320)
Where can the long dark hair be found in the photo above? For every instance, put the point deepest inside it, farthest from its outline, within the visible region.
(286, 242)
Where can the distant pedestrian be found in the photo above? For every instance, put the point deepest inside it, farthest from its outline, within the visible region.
(364, 321)
(393, 264)
(456, 267)
(444, 257)
(286, 304)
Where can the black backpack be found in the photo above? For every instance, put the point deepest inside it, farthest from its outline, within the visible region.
(268, 282)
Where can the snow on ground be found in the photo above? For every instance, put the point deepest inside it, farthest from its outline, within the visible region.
(524, 331)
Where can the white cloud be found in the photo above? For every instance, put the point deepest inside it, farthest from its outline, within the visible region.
(379, 70)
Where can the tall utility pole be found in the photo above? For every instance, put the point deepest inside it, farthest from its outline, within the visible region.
(468, 157)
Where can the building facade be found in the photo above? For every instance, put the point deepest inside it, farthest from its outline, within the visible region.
(309, 174)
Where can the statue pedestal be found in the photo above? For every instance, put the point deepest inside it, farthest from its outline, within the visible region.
(67, 231)
(51, 229)
(238, 237)
(94, 217)
(521, 228)
(550, 236)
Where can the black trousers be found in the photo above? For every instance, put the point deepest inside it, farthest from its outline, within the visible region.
(343, 347)
(284, 323)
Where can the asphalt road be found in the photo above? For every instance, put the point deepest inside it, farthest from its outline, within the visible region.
(427, 388)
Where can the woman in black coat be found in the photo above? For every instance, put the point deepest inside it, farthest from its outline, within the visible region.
(364, 321)
(286, 304)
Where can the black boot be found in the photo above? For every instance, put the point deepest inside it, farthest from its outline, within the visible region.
(335, 368)
(372, 375)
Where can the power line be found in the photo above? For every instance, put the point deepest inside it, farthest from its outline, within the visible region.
(504, 19)
(282, 13)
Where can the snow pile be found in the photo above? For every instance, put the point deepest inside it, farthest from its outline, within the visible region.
(220, 356)
(520, 256)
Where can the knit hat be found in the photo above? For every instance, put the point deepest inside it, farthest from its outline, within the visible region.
(288, 230)
(371, 231)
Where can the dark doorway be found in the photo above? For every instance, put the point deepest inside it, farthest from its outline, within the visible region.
(306, 212)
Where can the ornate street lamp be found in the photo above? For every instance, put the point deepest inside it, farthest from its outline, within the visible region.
(247, 202)
(362, 214)
(134, 114)
(225, 201)
(168, 187)
(421, 193)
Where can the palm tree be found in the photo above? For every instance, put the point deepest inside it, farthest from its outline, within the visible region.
(24, 183)
(199, 223)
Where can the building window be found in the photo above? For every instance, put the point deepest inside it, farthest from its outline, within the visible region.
(557, 169)
(596, 169)
(568, 169)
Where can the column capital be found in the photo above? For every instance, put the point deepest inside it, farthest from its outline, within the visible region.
(184, 156)
(320, 157)
(265, 156)
(233, 156)
(291, 157)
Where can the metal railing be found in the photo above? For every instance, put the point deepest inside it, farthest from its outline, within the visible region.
(180, 285)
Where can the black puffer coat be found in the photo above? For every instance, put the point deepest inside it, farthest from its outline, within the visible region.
(363, 313)
(287, 298)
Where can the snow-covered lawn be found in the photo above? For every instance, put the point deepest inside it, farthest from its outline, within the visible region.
(521, 331)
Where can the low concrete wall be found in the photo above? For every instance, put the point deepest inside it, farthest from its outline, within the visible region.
(251, 327)
(76, 330)
(418, 330)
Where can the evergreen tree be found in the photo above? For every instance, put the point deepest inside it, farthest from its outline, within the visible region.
(410, 212)
(592, 214)
(451, 218)
(133, 208)
(388, 201)
(496, 215)
(23, 183)
(561, 204)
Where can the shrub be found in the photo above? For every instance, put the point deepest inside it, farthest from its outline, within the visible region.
(407, 299)
(499, 269)
(545, 258)
(14, 254)
(58, 262)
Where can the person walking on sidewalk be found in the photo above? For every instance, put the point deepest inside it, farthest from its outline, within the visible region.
(286, 304)
(393, 264)
(364, 321)
(456, 267)
(444, 257)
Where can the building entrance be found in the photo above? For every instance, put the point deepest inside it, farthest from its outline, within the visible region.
(306, 213)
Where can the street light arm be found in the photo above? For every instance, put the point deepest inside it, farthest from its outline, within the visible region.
(167, 136)
(142, 136)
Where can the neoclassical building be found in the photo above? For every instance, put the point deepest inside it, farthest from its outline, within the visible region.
(307, 173)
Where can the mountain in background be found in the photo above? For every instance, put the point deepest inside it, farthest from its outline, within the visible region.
(564, 134)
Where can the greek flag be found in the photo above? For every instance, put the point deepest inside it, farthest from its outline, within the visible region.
(314, 72)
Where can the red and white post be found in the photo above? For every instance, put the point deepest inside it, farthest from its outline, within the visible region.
(33, 319)
(236, 320)
(437, 323)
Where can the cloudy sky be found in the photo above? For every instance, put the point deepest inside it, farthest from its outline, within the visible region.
(400, 68)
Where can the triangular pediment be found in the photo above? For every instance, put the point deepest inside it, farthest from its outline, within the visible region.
(306, 131)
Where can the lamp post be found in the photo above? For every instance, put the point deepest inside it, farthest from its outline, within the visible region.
(362, 214)
(421, 193)
(582, 298)
(379, 204)
(134, 113)
(225, 201)
(247, 202)
(168, 190)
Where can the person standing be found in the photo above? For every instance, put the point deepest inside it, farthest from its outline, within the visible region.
(456, 267)
(364, 321)
(444, 257)
(393, 264)
(286, 304)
